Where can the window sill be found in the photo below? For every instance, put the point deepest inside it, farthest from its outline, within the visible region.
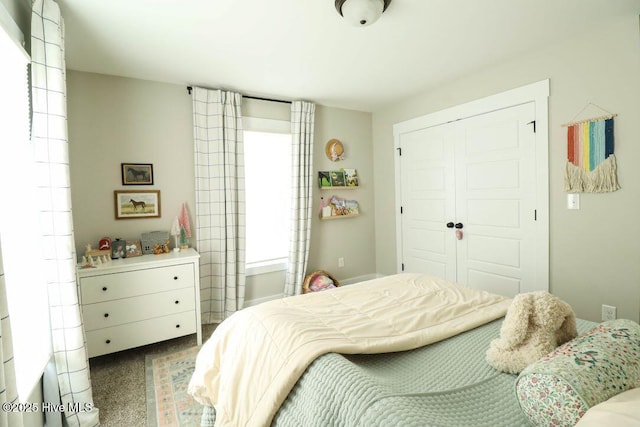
(257, 268)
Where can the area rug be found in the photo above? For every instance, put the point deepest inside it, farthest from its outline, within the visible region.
(167, 378)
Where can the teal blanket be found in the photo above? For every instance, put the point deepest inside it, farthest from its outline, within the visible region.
(447, 383)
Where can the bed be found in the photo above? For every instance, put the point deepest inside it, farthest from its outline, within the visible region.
(404, 350)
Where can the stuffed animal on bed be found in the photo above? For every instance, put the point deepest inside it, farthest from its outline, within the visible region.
(536, 323)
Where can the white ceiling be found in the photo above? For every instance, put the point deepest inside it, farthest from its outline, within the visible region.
(303, 49)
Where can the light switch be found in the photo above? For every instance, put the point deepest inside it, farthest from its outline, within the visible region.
(573, 201)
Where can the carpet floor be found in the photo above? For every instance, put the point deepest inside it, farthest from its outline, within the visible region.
(119, 384)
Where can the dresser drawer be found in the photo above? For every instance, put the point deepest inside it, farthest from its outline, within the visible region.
(117, 312)
(107, 287)
(109, 340)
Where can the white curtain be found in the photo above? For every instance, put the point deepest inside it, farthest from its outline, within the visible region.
(8, 389)
(13, 87)
(302, 127)
(49, 139)
(220, 201)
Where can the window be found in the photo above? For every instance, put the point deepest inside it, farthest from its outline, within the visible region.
(267, 156)
(19, 220)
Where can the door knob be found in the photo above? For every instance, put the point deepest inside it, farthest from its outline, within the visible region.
(449, 225)
(459, 225)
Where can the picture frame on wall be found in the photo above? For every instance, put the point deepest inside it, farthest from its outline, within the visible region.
(137, 204)
(137, 173)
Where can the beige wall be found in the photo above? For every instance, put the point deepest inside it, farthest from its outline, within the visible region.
(350, 238)
(595, 251)
(113, 120)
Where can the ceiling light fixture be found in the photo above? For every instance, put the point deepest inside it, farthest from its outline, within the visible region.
(361, 12)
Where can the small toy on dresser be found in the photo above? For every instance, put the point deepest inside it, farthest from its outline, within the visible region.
(94, 257)
(161, 249)
(105, 249)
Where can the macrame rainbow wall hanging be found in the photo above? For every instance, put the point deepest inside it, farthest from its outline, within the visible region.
(591, 164)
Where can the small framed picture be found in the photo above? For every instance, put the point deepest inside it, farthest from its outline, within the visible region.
(137, 173)
(118, 249)
(137, 204)
(133, 248)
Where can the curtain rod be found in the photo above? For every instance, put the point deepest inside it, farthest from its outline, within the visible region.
(189, 89)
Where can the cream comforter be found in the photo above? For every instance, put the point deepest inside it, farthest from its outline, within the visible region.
(254, 358)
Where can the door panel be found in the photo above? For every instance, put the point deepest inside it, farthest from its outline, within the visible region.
(494, 283)
(494, 175)
(427, 184)
(495, 188)
(497, 213)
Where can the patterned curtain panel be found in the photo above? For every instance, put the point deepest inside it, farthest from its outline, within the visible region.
(302, 126)
(49, 139)
(220, 201)
(8, 390)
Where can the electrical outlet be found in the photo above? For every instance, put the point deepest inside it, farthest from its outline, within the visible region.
(340, 262)
(608, 312)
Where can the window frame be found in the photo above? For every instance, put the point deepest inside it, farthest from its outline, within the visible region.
(26, 290)
(259, 124)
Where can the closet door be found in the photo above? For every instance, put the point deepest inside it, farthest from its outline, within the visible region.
(468, 200)
(495, 200)
(428, 186)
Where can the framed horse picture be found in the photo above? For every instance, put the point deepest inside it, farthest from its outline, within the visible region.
(137, 173)
(137, 204)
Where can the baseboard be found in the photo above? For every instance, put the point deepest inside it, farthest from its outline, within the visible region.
(357, 279)
(349, 281)
(256, 301)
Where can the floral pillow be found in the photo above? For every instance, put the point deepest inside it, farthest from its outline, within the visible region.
(559, 388)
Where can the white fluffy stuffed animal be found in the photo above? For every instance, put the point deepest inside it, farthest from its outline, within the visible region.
(536, 323)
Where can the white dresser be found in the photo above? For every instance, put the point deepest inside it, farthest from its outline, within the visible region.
(141, 300)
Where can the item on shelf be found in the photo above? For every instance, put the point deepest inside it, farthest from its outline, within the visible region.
(153, 238)
(341, 208)
(325, 208)
(185, 227)
(342, 178)
(104, 244)
(133, 248)
(175, 232)
(324, 179)
(96, 252)
(161, 249)
(351, 177)
(351, 207)
(337, 178)
(117, 249)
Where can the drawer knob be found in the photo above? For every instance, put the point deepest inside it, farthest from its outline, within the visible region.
(104, 288)
(177, 302)
(175, 277)
(177, 326)
(106, 315)
(108, 341)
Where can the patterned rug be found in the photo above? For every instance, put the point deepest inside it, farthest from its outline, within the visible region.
(167, 377)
